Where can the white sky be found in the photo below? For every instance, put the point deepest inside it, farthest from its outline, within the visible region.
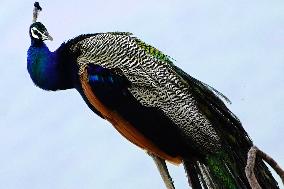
(52, 140)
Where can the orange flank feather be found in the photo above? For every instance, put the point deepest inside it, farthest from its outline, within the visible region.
(122, 125)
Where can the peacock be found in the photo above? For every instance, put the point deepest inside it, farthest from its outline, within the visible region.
(151, 102)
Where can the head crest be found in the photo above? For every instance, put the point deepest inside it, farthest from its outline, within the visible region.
(36, 10)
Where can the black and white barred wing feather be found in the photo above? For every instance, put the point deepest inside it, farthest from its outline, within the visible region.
(154, 83)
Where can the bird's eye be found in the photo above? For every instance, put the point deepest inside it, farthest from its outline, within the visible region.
(36, 32)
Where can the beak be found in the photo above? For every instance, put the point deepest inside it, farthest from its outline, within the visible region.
(47, 36)
(50, 38)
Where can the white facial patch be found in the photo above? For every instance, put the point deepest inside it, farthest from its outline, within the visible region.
(35, 33)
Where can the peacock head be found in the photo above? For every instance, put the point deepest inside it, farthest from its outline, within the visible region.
(38, 31)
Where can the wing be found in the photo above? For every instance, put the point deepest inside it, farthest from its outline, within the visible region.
(107, 91)
(156, 83)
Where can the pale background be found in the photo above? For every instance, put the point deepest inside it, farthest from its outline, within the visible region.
(52, 140)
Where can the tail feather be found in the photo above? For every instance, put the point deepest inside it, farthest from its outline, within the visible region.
(193, 175)
(264, 176)
(225, 169)
(219, 171)
(205, 173)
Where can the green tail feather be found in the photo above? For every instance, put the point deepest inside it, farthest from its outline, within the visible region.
(220, 171)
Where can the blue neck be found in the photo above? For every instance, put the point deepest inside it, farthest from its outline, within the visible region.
(44, 67)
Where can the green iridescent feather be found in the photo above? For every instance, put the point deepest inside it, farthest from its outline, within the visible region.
(154, 51)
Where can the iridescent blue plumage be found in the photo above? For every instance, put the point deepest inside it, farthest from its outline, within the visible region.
(105, 77)
(48, 70)
(42, 67)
